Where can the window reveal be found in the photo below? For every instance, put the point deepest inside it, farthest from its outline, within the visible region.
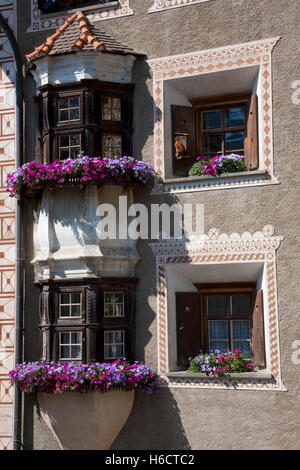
(220, 317)
(215, 126)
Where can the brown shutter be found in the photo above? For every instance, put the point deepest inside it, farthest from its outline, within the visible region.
(188, 326)
(183, 139)
(257, 331)
(251, 141)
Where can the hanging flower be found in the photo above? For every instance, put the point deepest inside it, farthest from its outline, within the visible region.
(117, 170)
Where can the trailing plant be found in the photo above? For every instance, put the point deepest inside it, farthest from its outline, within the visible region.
(217, 165)
(114, 171)
(63, 377)
(217, 363)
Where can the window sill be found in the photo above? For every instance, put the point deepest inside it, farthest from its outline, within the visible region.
(103, 6)
(259, 375)
(204, 183)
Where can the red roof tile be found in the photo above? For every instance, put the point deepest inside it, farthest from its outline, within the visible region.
(78, 34)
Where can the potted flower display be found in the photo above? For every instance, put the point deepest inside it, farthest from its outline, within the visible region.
(217, 165)
(84, 170)
(85, 405)
(217, 363)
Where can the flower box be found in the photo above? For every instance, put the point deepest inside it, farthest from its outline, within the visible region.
(84, 170)
(217, 363)
(85, 406)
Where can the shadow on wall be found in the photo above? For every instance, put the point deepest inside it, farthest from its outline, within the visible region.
(154, 423)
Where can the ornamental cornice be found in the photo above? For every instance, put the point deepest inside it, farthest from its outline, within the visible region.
(214, 242)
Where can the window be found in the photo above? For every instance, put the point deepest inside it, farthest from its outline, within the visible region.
(227, 322)
(215, 126)
(70, 345)
(68, 109)
(69, 146)
(89, 116)
(114, 344)
(223, 317)
(113, 304)
(70, 305)
(111, 108)
(92, 322)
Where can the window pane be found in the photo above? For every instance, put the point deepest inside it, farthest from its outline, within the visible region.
(240, 329)
(64, 141)
(63, 153)
(65, 311)
(65, 352)
(76, 298)
(108, 310)
(64, 115)
(241, 305)
(75, 310)
(235, 117)
(74, 114)
(76, 352)
(65, 338)
(75, 338)
(212, 120)
(74, 152)
(244, 347)
(74, 139)
(218, 330)
(213, 143)
(234, 140)
(64, 298)
(119, 311)
(115, 115)
(63, 103)
(74, 102)
(222, 346)
(216, 305)
(108, 337)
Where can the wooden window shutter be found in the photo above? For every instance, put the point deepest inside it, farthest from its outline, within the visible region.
(251, 141)
(257, 331)
(188, 326)
(183, 139)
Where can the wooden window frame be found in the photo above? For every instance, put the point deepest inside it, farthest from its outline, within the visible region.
(226, 289)
(228, 318)
(192, 322)
(195, 145)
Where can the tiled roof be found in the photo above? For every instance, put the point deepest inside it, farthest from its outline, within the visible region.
(78, 34)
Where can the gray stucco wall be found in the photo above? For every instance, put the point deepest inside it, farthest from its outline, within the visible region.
(203, 419)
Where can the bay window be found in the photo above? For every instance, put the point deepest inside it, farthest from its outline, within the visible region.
(88, 322)
(90, 116)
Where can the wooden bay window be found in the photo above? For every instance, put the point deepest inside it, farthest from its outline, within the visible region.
(90, 116)
(88, 322)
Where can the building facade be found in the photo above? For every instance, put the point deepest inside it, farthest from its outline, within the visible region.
(163, 81)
